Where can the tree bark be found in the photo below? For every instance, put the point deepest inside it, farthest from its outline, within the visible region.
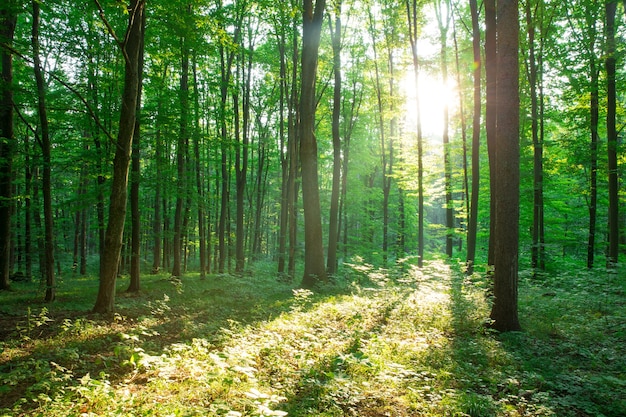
(314, 270)
(333, 222)
(412, 8)
(612, 138)
(491, 68)
(105, 301)
(472, 227)
(444, 22)
(135, 244)
(504, 314)
(8, 19)
(181, 152)
(46, 156)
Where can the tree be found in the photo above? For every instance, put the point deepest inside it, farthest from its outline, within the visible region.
(8, 19)
(333, 223)
(135, 260)
(472, 227)
(412, 10)
(47, 163)
(312, 18)
(611, 134)
(182, 150)
(444, 14)
(130, 47)
(506, 173)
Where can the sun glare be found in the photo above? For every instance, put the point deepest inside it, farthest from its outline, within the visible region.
(433, 96)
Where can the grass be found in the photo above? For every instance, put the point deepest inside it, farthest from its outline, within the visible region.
(374, 343)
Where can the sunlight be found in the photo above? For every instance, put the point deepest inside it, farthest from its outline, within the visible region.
(433, 96)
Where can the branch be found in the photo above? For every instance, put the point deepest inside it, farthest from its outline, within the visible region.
(120, 44)
(66, 85)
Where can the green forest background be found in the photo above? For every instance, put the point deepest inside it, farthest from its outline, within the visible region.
(217, 125)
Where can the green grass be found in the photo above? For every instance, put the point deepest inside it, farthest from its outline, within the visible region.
(374, 343)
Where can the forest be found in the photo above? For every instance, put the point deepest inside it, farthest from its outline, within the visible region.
(317, 207)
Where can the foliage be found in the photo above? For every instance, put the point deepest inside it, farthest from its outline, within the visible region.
(375, 342)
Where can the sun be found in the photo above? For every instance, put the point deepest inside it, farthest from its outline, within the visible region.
(434, 95)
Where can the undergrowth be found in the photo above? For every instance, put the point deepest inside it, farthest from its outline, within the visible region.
(372, 342)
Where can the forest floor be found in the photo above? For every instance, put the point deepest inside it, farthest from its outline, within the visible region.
(373, 343)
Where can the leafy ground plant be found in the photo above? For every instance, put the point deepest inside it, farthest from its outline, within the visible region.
(375, 343)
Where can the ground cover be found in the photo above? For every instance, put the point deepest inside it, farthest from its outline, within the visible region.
(374, 343)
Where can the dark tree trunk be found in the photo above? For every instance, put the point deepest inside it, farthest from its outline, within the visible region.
(611, 133)
(472, 227)
(444, 22)
(537, 249)
(506, 239)
(181, 152)
(135, 244)
(8, 18)
(413, 18)
(314, 270)
(593, 185)
(46, 155)
(199, 182)
(241, 160)
(157, 224)
(491, 67)
(105, 301)
(333, 230)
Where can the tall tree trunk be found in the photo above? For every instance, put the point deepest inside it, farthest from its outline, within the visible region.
(199, 182)
(293, 127)
(465, 193)
(593, 126)
(506, 239)
(444, 23)
(413, 18)
(333, 230)
(314, 270)
(157, 224)
(181, 151)
(537, 249)
(472, 227)
(28, 210)
(284, 156)
(105, 301)
(135, 244)
(241, 158)
(46, 155)
(611, 133)
(491, 68)
(8, 19)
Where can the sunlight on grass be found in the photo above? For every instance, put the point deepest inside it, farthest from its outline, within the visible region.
(381, 343)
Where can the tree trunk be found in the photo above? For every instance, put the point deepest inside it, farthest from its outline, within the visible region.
(46, 155)
(135, 244)
(612, 137)
(181, 152)
(8, 18)
(537, 249)
(333, 230)
(507, 175)
(472, 227)
(314, 270)
(105, 301)
(413, 18)
(491, 68)
(444, 22)
(593, 185)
